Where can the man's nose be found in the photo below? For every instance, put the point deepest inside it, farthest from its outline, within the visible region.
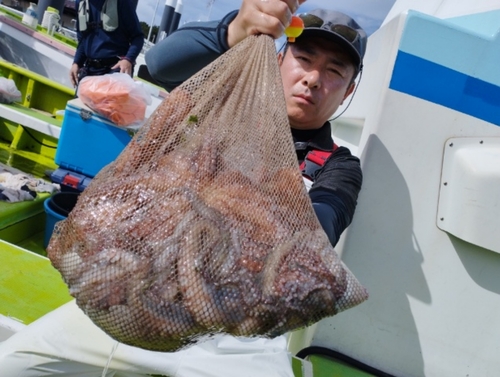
(312, 79)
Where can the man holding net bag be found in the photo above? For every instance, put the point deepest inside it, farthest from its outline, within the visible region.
(318, 73)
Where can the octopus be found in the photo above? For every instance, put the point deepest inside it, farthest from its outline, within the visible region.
(178, 240)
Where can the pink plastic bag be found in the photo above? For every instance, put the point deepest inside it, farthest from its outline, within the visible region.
(116, 96)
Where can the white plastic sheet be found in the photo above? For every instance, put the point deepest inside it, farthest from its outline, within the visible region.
(66, 342)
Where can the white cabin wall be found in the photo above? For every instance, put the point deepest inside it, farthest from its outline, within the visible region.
(433, 297)
(441, 8)
(430, 308)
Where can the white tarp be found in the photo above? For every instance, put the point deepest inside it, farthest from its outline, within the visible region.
(66, 342)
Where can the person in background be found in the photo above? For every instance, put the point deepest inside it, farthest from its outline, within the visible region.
(109, 38)
(318, 75)
(318, 72)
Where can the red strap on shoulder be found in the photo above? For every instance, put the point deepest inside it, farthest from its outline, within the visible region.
(317, 157)
(320, 157)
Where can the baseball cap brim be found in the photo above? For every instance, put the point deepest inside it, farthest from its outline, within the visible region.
(336, 38)
(337, 27)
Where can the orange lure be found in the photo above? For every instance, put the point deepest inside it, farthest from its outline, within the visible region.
(294, 29)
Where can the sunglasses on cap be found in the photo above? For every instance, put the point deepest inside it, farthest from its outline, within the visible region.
(348, 33)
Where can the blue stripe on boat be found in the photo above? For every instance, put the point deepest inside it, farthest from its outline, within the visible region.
(435, 83)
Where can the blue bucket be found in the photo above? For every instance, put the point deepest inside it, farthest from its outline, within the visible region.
(57, 208)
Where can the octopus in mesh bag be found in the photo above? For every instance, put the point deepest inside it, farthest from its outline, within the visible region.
(213, 260)
(192, 231)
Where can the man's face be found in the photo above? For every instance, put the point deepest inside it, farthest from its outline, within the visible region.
(317, 77)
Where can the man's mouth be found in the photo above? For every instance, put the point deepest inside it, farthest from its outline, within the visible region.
(305, 98)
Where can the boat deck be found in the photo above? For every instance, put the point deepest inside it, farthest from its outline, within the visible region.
(23, 223)
(29, 286)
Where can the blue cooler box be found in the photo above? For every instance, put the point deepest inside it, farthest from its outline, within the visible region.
(88, 141)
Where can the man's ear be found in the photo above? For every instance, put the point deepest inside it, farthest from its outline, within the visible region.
(280, 58)
(349, 91)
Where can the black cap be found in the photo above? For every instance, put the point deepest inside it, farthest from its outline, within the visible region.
(338, 27)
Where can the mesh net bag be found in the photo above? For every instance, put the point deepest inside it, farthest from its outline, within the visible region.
(203, 225)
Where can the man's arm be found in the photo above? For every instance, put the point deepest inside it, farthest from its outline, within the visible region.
(187, 50)
(335, 192)
(132, 27)
(195, 45)
(79, 57)
(135, 37)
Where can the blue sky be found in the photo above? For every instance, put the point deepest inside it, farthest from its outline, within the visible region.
(368, 13)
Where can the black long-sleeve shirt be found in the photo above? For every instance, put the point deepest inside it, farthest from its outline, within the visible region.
(337, 183)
